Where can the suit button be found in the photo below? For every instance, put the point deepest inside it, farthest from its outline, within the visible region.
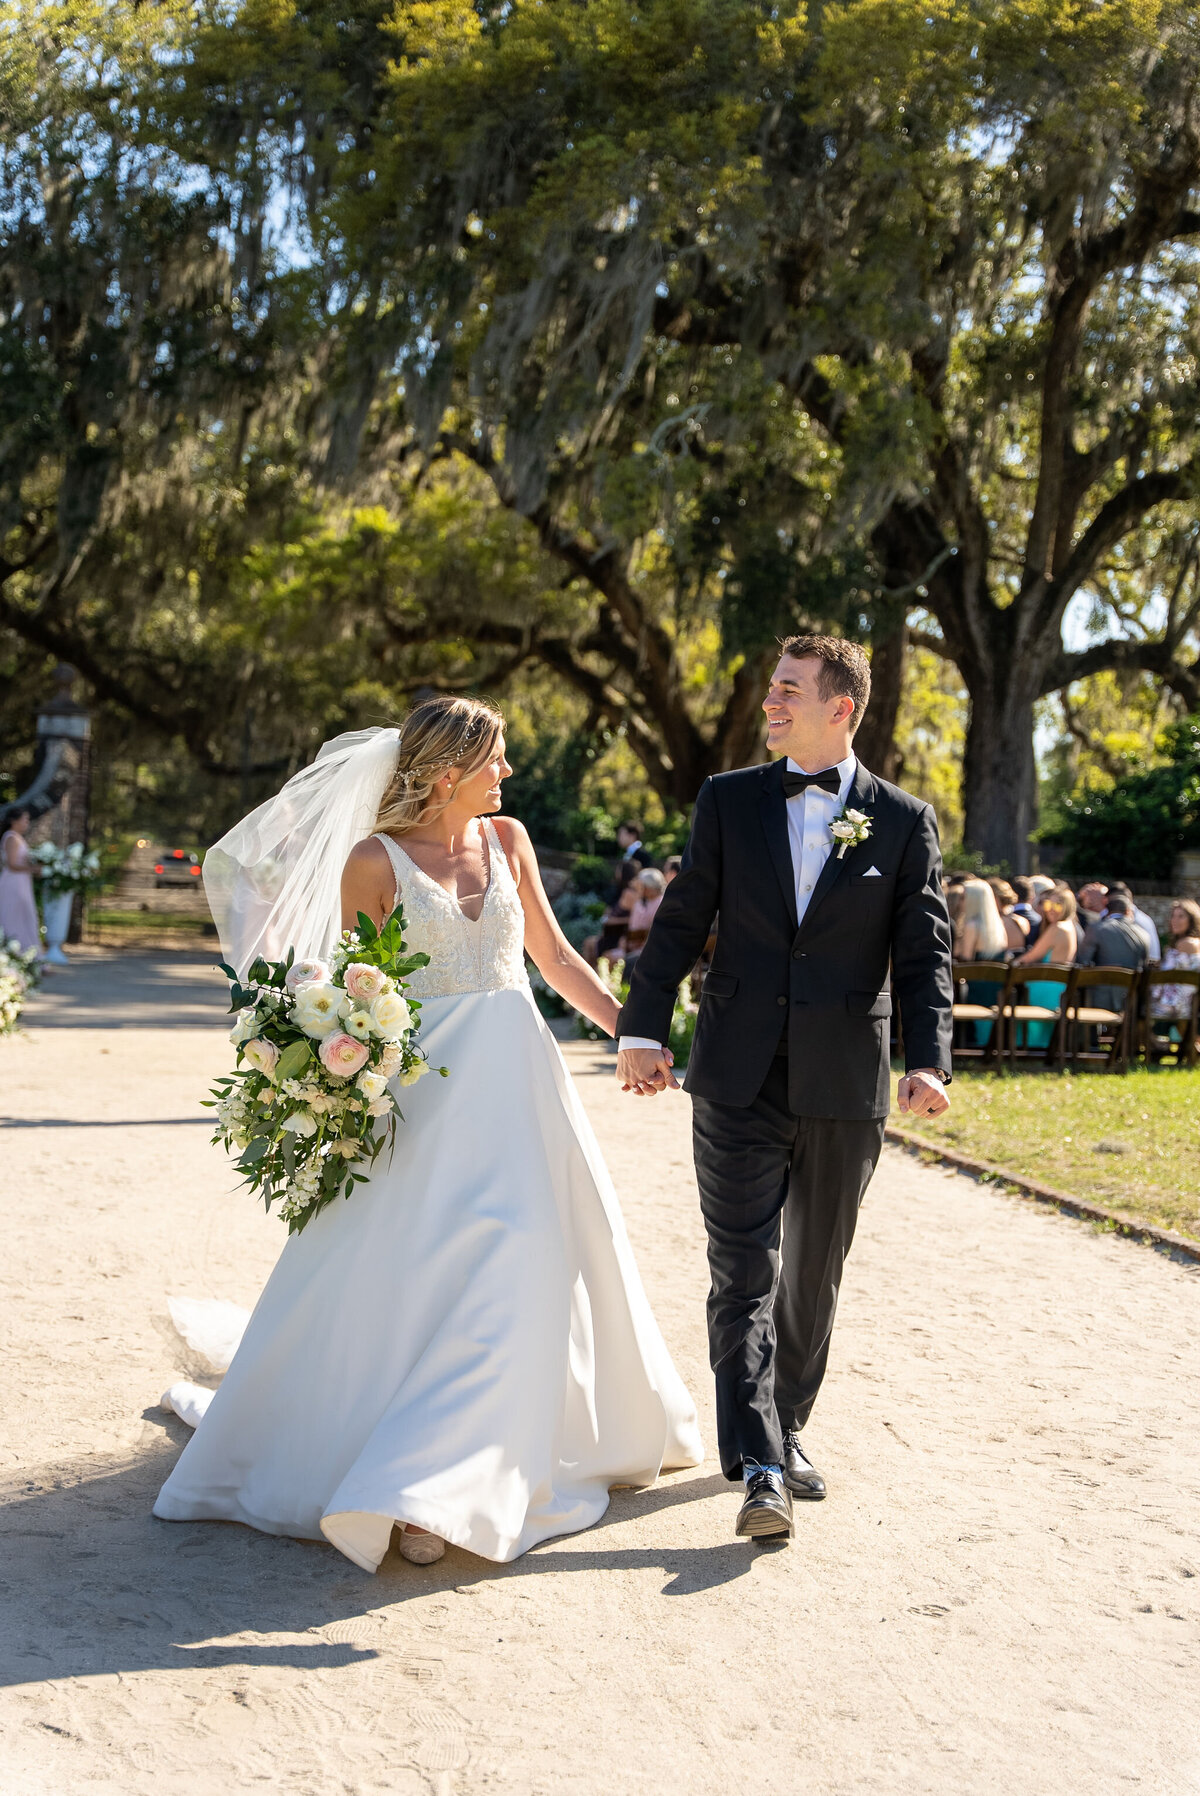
(781, 1000)
(799, 954)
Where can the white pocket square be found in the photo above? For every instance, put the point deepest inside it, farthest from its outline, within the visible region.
(872, 873)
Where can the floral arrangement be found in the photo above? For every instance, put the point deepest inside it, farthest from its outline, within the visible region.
(27, 961)
(71, 869)
(18, 973)
(849, 828)
(317, 1046)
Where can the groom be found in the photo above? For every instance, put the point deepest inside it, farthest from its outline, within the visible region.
(789, 1067)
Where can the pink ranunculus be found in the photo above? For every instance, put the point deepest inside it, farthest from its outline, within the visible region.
(262, 1055)
(363, 983)
(306, 972)
(342, 1056)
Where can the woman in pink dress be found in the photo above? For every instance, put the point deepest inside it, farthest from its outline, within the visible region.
(18, 912)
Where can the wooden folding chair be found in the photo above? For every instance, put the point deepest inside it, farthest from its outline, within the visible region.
(1155, 1044)
(1079, 1016)
(969, 1012)
(1017, 1016)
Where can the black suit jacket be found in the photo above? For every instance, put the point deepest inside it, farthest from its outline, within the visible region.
(826, 981)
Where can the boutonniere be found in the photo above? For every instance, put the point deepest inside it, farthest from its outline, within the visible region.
(849, 828)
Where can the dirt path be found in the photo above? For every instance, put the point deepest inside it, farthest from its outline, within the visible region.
(1000, 1593)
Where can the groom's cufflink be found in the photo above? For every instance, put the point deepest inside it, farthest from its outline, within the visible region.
(872, 873)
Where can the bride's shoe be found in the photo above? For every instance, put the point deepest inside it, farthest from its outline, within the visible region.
(420, 1549)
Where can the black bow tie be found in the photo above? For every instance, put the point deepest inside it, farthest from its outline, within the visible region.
(795, 783)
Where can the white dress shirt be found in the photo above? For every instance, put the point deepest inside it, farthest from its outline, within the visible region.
(809, 815)
(1146, 925)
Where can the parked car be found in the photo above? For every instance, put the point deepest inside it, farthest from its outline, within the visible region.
(176, 867)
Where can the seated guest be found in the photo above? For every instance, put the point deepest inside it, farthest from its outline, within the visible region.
(979, 932)
(1115, 941)
(1118, 889)
(1025, 907)
(1173, 1003)
(648, 895)
(635, 857)
(671, 866)
(1093, 900)
(1057, 941)
(1016, 929)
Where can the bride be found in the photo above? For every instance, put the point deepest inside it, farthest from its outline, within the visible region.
(463, 1348)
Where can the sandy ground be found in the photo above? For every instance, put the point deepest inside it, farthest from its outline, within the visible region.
(1000, 1592)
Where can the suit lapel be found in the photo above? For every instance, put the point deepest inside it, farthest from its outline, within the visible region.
(775, 828)
(861, 798)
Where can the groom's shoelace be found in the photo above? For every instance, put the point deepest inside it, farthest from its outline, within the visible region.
(764, 1484)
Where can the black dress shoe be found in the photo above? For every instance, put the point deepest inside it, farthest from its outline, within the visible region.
(799, 1474)
(767, 1509)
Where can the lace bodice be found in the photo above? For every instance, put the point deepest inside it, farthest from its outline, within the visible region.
(464, 956)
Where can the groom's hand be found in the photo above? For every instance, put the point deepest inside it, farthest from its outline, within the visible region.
(646, 1071)
(922, 1094)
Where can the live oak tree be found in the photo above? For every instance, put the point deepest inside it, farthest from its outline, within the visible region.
(792, 313)
(132, 358)
(747, 318)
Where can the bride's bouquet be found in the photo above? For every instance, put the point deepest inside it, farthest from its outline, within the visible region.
(317, 1045)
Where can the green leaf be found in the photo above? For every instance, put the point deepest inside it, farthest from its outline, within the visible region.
(255, 1150)
(293, 1060)
(366, 929)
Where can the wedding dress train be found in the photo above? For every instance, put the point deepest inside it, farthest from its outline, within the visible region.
(465, 1343)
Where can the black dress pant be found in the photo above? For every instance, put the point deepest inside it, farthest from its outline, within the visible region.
(780, 1196)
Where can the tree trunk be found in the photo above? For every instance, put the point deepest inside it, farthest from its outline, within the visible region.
(999, 783)
(875, 742)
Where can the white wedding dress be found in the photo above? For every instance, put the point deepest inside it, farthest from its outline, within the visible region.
(464, 1343)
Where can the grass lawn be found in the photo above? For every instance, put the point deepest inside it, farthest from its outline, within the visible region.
(104, 928)
(1132, 1143)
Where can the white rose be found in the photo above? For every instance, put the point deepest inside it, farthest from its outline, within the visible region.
(358, 1024)
(416, 1071)
(390, 1016)
(372, 1085)
(300, 1124)
(244, 1029)
(317, 1009)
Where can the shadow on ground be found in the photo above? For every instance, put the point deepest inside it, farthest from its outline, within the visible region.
(64, 1613)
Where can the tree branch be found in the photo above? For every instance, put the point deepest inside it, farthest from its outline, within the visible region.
(1115, 518)
(1120, 654)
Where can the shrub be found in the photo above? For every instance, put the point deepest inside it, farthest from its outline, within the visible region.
(1136, 830)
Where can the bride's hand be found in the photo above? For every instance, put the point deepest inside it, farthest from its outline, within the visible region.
(646, 1071)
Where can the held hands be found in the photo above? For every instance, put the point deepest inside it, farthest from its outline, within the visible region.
(922, 1094)
(646, 1071)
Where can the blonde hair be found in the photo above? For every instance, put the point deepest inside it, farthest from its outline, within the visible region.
(980, 911)
(1064, 897)
(437, 734)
